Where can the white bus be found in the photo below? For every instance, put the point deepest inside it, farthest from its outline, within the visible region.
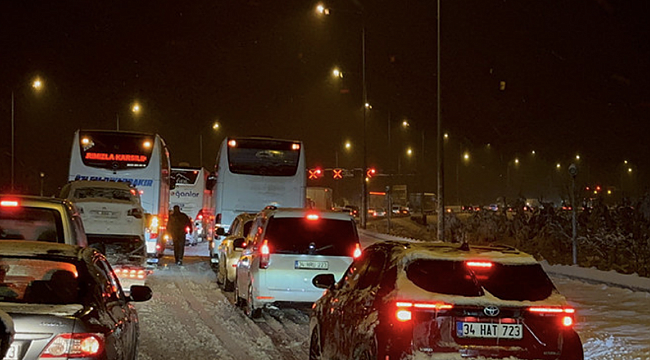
(254, 172)
(193, 194)
(140, 159)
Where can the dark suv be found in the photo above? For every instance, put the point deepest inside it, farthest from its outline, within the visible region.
(406, 298)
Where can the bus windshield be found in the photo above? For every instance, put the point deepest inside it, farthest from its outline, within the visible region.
(263, 157)
(109, 150)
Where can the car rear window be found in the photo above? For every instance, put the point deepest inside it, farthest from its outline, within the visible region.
(517, 282)
(302, 236)
(119, 249)
(37, 281)
(29, 223)
(443, 277)
(105, 194)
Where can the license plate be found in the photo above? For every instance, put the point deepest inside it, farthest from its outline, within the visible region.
(12, 353)
(488, 330)
(317, 265)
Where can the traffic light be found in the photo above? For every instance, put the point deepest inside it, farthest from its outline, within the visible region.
(370, 172)
(337, 174)
(315, 173)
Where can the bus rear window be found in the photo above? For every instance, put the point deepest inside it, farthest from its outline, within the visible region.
(301, 236)
(115, 151)
(25, 223)
(185, 176)
(263, 157)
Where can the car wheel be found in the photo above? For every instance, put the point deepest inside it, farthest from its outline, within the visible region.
(572, 347)
(220, 276)
(315, 346)
(249, 308)
(365, 352)
(227, 284)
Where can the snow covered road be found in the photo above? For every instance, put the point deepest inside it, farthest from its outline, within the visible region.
(190, 318)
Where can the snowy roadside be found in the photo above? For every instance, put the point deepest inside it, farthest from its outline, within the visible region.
(610, 278)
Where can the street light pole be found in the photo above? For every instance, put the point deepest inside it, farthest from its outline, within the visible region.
(13, 154)
(364, 186)
(441, 168)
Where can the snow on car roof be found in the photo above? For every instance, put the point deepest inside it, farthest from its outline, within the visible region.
(22, 248)
(448, 251)
(99, 184)
(302, 212)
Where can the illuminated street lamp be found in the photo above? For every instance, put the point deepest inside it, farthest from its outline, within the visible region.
(337, 73)
(215, 126)
(37, 85)
(348, 145)
(321, 9)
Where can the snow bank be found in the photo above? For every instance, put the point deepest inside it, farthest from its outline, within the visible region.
(611, 278)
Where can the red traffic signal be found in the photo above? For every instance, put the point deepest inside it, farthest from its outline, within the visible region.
(337, 174)
(370, 172)
(315, 173)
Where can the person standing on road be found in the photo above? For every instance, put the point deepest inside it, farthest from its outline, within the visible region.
(178, 222)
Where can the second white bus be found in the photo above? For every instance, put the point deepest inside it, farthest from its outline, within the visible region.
(193, 194)
(255, 172)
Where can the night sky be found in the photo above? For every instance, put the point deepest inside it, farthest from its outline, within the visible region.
(576, 76)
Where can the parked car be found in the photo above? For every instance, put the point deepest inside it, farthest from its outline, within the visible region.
(404, 298)
(114, 222)
(41, 219)
(66, 302)
(231, 248)
(285, 249)
(399, 210)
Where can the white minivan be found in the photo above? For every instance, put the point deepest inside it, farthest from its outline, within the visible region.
(286, 248)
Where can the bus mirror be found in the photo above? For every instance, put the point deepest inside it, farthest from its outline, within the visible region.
(211, 182)
(172, 182)
(239, 243)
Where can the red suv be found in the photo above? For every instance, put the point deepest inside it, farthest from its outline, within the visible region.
(406, 298)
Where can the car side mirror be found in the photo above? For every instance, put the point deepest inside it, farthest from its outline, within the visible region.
(324, 281)
(140, 293)
(221, 231)
(239, 243)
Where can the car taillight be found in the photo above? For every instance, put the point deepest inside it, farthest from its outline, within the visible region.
(200, 216)
(566, 313)
(405, 308)
(313, 217)
(9, 203)
(357, 251)
(72, 345)
(153, 227)
(480, 264)
(135, 212)
(131, 273)
(265, 252)
(187, 229)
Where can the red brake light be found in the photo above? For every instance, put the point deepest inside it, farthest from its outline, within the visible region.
(265, 250)
(567, 319)
(313, 217)
(200, 216)
(187, 229)
(295, 146)
(74, 346)
(232, 143)
(357, 251)
(9, 203)
(404, 308)
(480, 264)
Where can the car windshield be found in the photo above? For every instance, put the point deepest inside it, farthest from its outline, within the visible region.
(29, 223)
(517, 282)
(105, 193)
(304, 236)
(37, 281)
